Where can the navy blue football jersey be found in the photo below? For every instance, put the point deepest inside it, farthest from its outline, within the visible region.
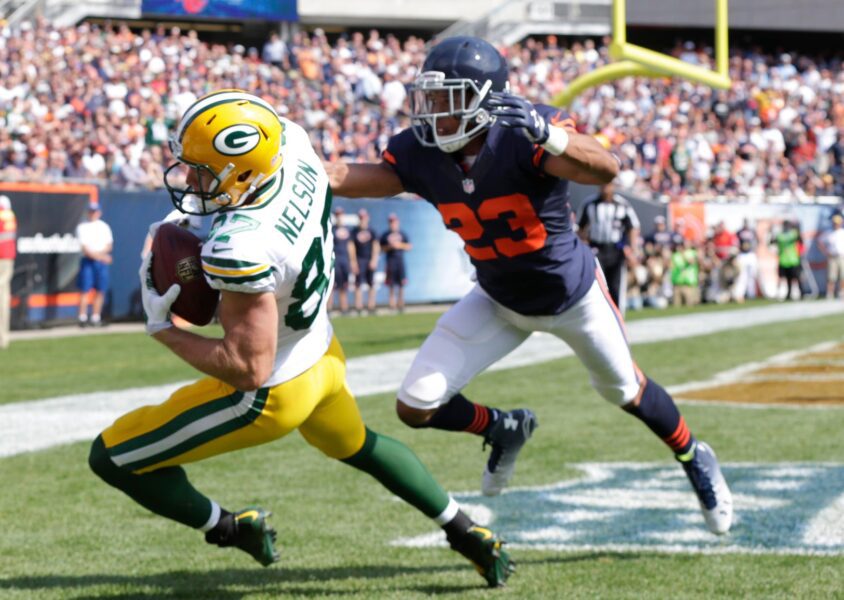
(342, 235)
(514, 219)
(389, 244)
(364, 240)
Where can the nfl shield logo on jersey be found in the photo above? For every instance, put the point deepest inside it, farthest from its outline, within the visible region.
(468, 185)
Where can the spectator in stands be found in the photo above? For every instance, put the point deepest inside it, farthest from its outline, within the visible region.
(8, 250)
(56, 166)
(76, 169)
(153, 174)
(275, 52)
(364, 252)
(95, 243)
(130, 173)
(394, 94)
(776, 132)
(832, 246)
(394, 242)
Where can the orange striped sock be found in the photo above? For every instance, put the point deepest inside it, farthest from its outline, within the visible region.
(681, 440)
(481, 420)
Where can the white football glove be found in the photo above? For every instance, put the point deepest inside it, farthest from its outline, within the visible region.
(156, 306)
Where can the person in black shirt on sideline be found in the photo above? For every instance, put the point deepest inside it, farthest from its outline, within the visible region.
(365, 251)
(610, 226)
(342, 262)
(394, 243)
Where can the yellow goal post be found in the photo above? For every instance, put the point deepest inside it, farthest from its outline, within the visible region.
(633, 60)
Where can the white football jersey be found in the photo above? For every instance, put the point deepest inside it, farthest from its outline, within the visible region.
(282, 243)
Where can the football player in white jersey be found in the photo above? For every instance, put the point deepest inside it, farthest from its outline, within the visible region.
(278, 366)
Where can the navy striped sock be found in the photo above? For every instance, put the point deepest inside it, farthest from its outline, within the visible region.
(658, 411)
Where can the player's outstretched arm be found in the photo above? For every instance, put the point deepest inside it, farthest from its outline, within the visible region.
(363, 180)
(584, 161)
(244, 357)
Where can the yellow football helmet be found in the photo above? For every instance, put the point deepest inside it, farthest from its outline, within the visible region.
(232, 141)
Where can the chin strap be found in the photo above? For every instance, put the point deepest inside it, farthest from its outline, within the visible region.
(259, 179)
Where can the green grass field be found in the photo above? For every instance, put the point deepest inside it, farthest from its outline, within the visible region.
(67, 535)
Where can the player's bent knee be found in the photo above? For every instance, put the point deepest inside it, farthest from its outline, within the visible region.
(425, 390)
(413, 417)
(618, 395)
(101, 463)
(336, 444)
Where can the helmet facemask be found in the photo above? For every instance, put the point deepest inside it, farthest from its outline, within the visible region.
(193, 201)
(434, 97)
(207, 197)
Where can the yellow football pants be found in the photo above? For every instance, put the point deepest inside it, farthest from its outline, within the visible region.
(210, 417)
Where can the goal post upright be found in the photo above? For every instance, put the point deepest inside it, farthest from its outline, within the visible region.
(633, 60)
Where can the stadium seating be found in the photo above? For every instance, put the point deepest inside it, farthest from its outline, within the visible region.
(97, 104)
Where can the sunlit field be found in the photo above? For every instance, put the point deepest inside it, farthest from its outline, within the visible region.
(67, 535)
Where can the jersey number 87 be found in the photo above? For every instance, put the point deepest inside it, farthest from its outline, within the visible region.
(304, 291)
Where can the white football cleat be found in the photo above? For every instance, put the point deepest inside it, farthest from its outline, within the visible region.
(716, 501)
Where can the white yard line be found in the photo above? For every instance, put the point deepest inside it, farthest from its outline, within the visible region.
(36, 425)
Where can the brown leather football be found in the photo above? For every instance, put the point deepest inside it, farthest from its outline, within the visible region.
(176, 259)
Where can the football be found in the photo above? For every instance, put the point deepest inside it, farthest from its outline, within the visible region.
(176, 259)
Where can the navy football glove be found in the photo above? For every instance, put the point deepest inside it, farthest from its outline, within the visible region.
(515, 112)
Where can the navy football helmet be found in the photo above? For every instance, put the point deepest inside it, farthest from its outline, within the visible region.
(456, 79)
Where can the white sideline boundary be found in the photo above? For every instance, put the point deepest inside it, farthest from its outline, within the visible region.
(40, 424)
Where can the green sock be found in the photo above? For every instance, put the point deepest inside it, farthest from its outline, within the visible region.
(166, 492)
(400, 471)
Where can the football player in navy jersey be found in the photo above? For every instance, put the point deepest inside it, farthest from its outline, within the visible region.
(497, 168)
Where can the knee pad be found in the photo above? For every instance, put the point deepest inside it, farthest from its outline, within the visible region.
(425, 388)
(618, 395)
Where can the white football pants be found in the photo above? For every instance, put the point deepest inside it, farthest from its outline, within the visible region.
(477, 331)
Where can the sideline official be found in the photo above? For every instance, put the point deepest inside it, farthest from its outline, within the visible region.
(610, 226)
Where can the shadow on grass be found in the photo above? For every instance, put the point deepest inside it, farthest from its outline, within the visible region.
(233, 584)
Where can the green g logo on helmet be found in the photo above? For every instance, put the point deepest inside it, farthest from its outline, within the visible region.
(236, 140)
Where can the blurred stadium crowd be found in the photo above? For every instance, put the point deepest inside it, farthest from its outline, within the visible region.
(667, 267)
(727, 266)
(97, 104)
